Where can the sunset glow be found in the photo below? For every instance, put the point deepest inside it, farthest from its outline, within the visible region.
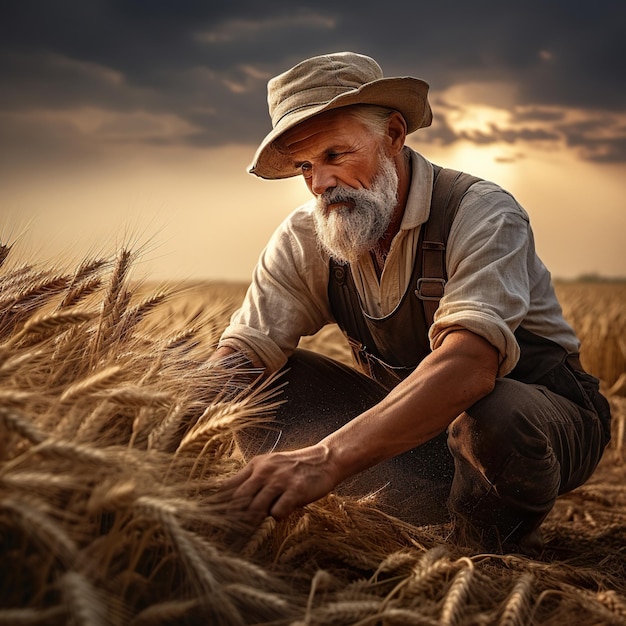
(137, 124)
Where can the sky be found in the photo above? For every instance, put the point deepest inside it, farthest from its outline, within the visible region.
(132, 122)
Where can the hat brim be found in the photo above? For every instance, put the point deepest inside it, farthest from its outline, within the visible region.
(405, 94)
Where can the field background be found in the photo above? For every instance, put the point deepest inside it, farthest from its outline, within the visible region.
(115, 435)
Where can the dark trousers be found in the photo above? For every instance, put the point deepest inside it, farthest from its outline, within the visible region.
(499, 466)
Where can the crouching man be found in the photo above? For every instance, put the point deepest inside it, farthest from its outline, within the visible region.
(469, 400)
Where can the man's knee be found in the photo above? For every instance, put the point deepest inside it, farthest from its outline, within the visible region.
(498, 426)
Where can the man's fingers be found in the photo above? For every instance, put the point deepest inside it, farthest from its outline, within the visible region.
(283, 507)
(263, 502)
(250, 497)
(275, 484)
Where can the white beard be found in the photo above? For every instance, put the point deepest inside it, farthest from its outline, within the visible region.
(349, 232)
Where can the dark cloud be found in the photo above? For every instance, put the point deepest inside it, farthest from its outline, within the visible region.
(513, 135)
(537, 114)
(514, 158)
(600, 139)
(208, 62)
(441, 133)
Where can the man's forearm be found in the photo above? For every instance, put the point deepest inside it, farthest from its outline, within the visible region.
(235, 372)
(447, 382)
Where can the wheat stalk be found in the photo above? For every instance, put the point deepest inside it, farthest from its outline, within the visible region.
(399, 617)
(614, 602)
(27, 298)
(81, 291)
(399, 561)
(196, 566)
(344, 612)
(75, 452)
(32, 616)
(113, 306)
(83, 283)
(458, 594)
(135, 315)
(257, 603)
(162, 436)
(41, 527)
(86, 605)
(261, 536)
(42, 482)
(516, 606)
(12, 365)
(169, 612)
(53, 322)
(13, 421)
(93, 384)
(135, 397)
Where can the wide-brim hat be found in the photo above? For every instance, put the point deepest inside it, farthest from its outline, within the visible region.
(328, 82)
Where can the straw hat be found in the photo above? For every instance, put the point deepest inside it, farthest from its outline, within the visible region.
(328, 82)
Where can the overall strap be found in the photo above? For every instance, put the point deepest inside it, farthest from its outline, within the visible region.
(448, 189)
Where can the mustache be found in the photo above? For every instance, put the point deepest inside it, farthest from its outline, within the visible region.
(339, 195)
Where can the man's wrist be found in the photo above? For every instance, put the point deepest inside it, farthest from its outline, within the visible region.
(338, 457)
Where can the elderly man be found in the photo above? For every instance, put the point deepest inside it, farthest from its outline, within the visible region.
(469, 400)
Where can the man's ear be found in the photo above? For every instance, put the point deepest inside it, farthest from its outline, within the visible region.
(396, 133)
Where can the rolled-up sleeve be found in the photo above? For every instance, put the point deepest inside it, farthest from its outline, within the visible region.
(287, 297)
(487, 262)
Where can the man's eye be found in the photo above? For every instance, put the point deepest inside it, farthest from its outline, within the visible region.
(306, 168)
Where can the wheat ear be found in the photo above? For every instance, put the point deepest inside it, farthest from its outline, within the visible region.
(14, 421)
(516, 605)
(458, 594)
(86, 605)
(33, 617)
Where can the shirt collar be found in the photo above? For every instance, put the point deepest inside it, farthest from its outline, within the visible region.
(417, 207)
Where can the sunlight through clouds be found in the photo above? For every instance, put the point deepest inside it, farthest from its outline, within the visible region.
(144, 116)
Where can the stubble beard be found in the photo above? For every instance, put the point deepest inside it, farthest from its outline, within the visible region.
(349, 232)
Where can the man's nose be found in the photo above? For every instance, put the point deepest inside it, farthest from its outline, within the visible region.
(322, 179)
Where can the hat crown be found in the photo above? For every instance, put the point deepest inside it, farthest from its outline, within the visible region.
(329, 82)
(318, 80)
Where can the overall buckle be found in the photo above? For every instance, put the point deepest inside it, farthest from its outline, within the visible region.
(430, 289)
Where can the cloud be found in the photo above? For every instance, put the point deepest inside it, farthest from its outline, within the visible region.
(597, 137)
(537, 114)
(206, 65)
(30, 142)
(601, 139)
(444, 133)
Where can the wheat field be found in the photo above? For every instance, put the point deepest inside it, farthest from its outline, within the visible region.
(115, 435)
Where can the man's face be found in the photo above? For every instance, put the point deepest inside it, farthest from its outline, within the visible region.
(355, 183)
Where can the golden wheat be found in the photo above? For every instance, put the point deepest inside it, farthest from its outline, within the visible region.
(458, 594)
(516, 607)
(114, 438)
(598, 313)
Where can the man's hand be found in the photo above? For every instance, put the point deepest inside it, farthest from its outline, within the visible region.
(278, 483)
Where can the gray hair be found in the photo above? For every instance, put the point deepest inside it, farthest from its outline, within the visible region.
(372, 116)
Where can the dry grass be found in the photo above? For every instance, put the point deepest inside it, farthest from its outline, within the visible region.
(114, 435)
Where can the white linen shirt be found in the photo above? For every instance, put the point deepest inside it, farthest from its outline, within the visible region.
(496, 282)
